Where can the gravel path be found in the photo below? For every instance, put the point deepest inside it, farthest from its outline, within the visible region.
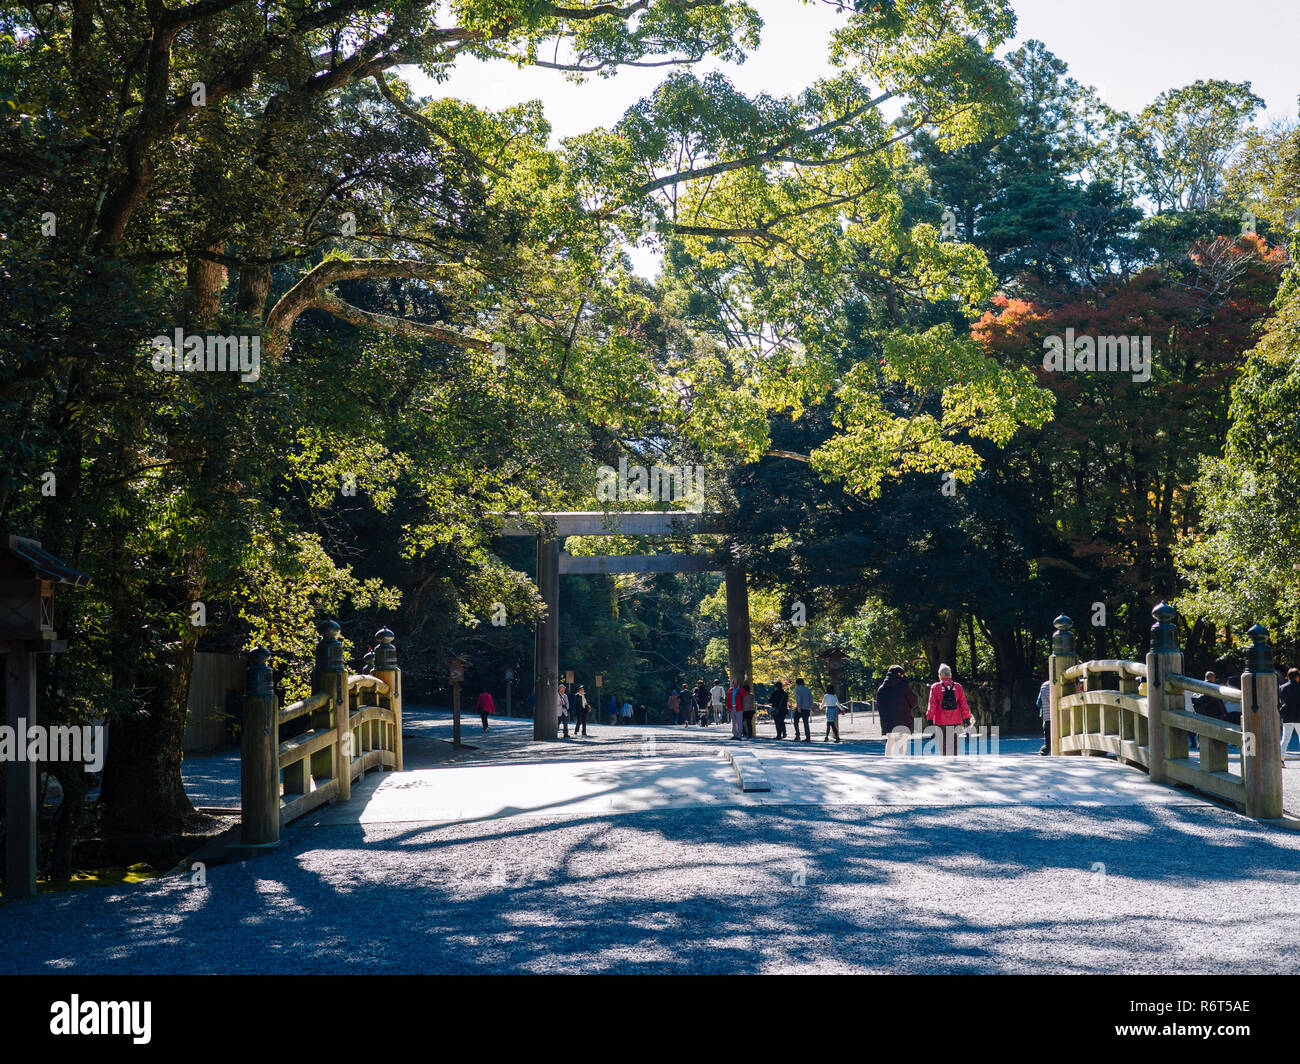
(788, 889)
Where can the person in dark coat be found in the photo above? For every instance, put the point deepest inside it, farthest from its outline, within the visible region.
(896, 704)
(780, 700)
(1210, 705)
(1288, 703)
(579, 707)
(702, 704)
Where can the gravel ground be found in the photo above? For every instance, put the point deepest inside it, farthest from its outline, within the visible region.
(788, 889)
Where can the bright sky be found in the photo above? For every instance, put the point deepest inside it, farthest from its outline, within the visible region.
(1131, 50)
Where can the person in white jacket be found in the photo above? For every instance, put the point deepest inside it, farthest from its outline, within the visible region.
(831, 704)
(562, 709)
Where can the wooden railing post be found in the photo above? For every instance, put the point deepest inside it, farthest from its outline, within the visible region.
(330, 677)
(1063, 657)
(1163, 660)
(1261, 728)
(386, 669)
(259, 772)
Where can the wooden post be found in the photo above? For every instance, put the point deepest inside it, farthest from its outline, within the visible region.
(330, 677)
(739, 653)
(1063, 657)
(1163, 660)
(1261, 728)
(546, 657)
(386, 669)
(20, 776)
(259, 773)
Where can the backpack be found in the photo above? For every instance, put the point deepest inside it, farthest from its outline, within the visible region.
(948, 700)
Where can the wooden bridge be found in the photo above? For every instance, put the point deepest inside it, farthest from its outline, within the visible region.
(306, 754)
(349, 725)
(1134, 711)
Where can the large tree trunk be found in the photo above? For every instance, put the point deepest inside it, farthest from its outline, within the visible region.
(143, 790)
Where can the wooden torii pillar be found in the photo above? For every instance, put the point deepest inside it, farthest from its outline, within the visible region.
(552, 528)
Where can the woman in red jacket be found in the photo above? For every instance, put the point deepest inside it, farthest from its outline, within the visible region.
(485, 706)
(948, 708)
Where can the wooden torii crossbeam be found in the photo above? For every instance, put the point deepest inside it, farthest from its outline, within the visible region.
(552, 528)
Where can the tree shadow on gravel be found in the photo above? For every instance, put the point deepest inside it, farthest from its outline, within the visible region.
(740, 889)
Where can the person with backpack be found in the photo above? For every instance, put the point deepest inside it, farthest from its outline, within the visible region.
(948, 708)
(1044, 704)
(803, 702)
(780, 699)
(896, 704)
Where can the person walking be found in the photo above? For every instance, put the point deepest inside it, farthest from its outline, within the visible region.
(562, 711)
(1288, 702)
(717, 702)
(803, 703)
(1044, 704)
(627, 712)
(896, 704)
(749, 712)
(674, 707)
(579, 707)
(831, 704)
(611, 709)
(701, 698)
(736, 709)
(780, 699)
(947, 709)
(485, 706)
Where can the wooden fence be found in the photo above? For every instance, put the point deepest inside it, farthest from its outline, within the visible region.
(1133, 711)
(349, 725)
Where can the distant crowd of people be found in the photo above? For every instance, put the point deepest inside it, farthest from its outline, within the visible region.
(947, 710)
(896, 704)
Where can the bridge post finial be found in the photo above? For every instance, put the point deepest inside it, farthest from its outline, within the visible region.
(1164, 633)
(386, 669)
(1063, 658)
(1164, 659)
(1063, 637)
(1261, 767)
(1259, 655)
(259, 772)
(330, 676)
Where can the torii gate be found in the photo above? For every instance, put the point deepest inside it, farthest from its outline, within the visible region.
(551, 528)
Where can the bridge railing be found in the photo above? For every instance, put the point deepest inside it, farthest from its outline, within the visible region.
(347, 726)
(1132, 710)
